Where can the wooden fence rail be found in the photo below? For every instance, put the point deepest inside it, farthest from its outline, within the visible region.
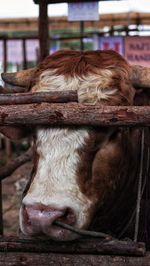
(37, 97)
(27, 252)
(74, 114)
(47, 108)
(80, 246)
(53, 259)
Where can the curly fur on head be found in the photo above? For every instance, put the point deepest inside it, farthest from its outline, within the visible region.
(98, 76)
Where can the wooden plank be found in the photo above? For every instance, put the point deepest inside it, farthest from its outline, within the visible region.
(74, 114)
(81, 246)
(51, 259)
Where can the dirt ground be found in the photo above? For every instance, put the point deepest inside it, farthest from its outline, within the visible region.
(12, 190)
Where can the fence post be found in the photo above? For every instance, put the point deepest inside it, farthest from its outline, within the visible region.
(81, 35)
(43, 30)
(24, 53)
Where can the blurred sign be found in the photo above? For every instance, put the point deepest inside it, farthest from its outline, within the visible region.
(114, 43)
(83, 11)
(15, 51)
(137, 50)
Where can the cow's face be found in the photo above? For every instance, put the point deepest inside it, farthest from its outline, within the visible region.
(76, 170)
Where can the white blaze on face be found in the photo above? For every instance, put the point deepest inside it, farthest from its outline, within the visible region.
(55, 183)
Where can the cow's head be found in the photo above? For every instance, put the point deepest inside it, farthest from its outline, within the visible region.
(76, 170)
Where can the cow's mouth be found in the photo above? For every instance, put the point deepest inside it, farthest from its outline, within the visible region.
(54, 232)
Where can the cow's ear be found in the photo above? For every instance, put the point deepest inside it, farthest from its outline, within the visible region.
(15, 133)
(17, 82)
(140, 78)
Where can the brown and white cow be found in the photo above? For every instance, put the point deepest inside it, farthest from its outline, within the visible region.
(84, 176)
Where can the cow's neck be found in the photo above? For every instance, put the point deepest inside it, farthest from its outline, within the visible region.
(115, 215)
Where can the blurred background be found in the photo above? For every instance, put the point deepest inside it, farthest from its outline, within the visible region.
(31, 29)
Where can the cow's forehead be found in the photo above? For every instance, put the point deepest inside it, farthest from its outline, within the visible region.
(97, 76)
(70, 63)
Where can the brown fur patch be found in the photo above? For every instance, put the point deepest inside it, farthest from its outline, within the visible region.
(70, 63)
(99, 158)
(108, 161)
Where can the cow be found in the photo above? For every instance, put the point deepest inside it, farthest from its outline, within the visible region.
(84, 176)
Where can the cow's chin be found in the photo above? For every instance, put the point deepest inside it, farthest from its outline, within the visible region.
(58, 234)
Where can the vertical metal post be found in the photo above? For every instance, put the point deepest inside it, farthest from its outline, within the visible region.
(1, 210)
(43, 29)
(24, 53)
(7, 141)
(81, 35)
(5, 55)
(4, 69)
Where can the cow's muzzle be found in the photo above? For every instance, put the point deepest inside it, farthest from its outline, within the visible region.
(38, 220)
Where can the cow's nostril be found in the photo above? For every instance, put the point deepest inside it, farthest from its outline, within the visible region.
(46, 215)
(68, 217)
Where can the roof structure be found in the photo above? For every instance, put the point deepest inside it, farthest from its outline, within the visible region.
(65, 1)
(68, 1)
(61, 22)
